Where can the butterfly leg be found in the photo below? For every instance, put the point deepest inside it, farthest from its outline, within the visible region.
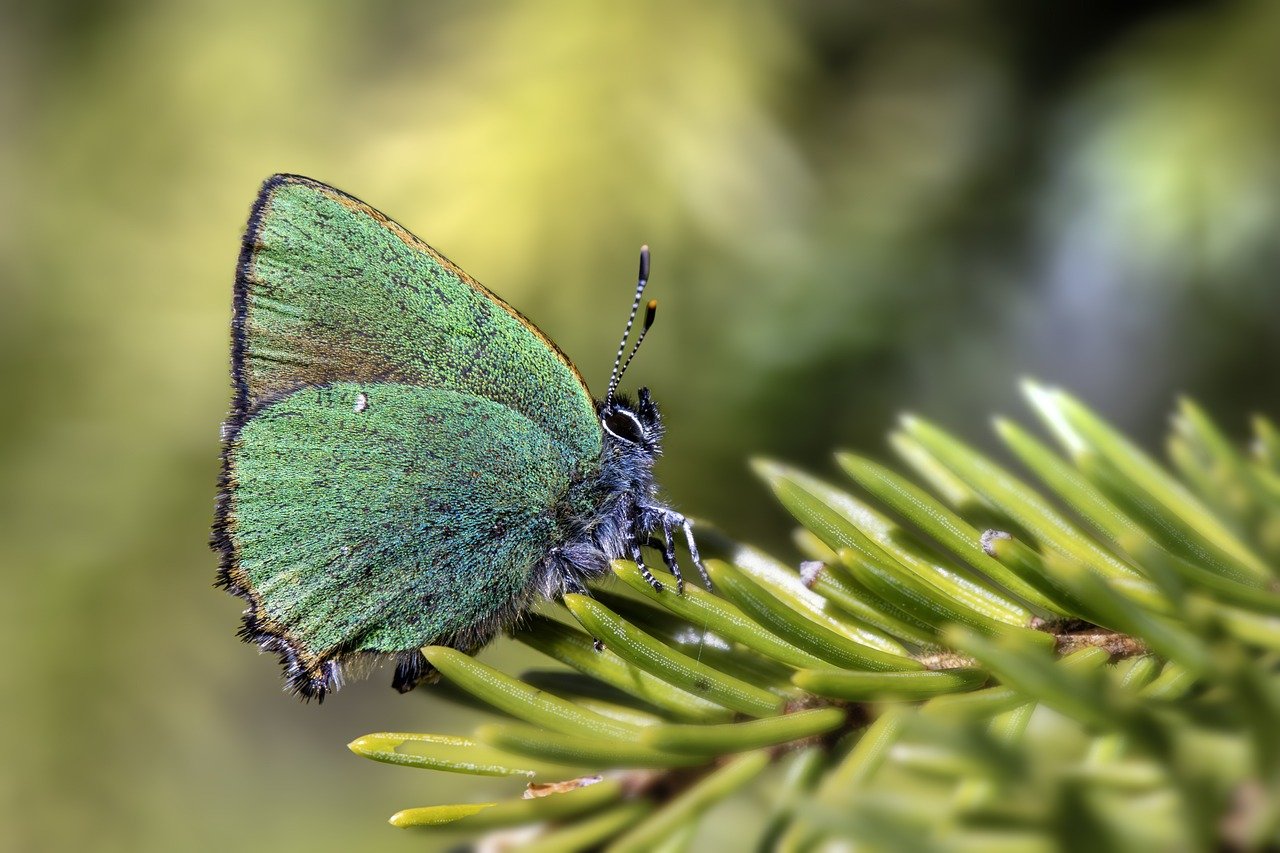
(644, 570)
(676, 519)
(669, 552)
(693, 552)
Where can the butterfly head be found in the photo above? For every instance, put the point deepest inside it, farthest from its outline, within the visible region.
(634, 428)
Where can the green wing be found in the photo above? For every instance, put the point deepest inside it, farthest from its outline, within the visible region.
(379, 517)
(418, 518)
(330, 290)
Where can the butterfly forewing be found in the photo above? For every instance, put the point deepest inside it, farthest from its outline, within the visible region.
(331, 290)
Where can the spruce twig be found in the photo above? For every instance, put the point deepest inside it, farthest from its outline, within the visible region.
(1130, 612)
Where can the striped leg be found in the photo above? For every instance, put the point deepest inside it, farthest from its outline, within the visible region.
(644, 570)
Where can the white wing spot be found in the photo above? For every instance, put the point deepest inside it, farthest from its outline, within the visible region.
(362, 402)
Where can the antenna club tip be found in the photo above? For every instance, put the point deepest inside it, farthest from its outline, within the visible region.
(644, 250)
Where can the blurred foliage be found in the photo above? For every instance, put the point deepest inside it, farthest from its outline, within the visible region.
(1106, 683)
(854, 208)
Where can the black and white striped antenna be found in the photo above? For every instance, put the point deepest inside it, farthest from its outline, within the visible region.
(619, 366)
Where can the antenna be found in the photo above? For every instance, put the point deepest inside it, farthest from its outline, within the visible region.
(618, 367)
(650, 311)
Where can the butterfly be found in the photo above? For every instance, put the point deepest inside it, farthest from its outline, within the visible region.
(408, 460)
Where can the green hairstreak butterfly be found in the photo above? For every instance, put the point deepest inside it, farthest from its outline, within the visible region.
(408, 460)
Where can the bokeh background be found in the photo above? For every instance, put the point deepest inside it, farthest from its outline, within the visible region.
(855, 209)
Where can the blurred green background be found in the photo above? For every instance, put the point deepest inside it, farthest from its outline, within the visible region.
(854, 208)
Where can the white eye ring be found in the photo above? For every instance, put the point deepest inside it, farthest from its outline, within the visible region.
(638, 436)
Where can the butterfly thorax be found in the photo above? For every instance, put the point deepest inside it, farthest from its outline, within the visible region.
(611, 510)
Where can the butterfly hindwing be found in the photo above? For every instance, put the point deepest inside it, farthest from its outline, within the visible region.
(379, 517)
(330, 290)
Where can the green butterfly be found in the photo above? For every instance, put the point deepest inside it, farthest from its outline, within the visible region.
(408, 460)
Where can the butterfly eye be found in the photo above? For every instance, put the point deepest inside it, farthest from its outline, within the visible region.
(622, 424)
